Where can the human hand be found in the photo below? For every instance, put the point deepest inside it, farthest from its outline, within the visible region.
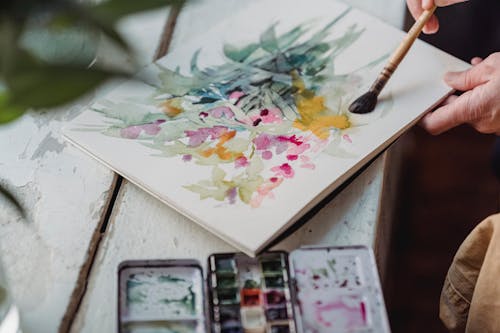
(478, 106)
(416, 8)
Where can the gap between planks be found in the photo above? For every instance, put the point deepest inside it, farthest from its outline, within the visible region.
(106, 216)
(82, 280)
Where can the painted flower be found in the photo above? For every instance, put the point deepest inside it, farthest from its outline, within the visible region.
(265, 190)
(133, 132)
(235, 96)
(284, 170)
(221, 112)
(306, 163)
(263, 141)
(265, 116)
(241, 162)
(231, 195)
(197, 137)
(267, 155)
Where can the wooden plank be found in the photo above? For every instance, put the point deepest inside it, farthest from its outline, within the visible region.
(142, 227)
(65, 194)
(131, 29)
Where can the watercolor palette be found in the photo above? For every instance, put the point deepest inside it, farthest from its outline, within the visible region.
(164, 296)
(250, 294)
(317, 289)
(337, 290)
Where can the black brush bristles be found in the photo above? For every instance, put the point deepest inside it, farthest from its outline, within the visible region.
(365, 103)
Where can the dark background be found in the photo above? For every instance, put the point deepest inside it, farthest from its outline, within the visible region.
(447, 184)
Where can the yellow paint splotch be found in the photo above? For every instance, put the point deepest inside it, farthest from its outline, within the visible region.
(172, 107)
(222, 152)
(312, 111)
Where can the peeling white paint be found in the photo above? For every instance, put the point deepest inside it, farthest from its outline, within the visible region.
(64, 193)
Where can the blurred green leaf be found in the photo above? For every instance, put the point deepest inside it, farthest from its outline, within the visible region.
(5, 193)
(53, 85)
(9, 33)
(115, 9)
(77, 13)
(42, 80)
(9, 113)
(72, 42)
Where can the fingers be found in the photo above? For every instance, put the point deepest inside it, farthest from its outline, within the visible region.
(416, 8)
(476, 60)
(451, 114)
(478, 106)
(432, 26)
(470, 78)
(427, 4)
(450, 99)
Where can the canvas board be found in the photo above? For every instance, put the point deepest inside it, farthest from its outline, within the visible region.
(245, 128)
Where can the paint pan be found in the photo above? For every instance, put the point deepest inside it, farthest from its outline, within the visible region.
(161, 296)
(316, 289)
(263, 290)
(337, 289)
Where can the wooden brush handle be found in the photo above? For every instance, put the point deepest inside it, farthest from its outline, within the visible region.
(401, 51)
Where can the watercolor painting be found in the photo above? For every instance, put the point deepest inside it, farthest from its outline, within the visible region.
(255, 120)
(245, 128)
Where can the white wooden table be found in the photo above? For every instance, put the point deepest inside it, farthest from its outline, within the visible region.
(62, 262)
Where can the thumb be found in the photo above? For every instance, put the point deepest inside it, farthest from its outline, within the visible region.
(452, 114)
(468, 79)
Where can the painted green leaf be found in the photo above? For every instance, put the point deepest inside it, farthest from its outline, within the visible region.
(239, 54)
(340, 44)
(255, 168)
(268, 40)
(290, 37)
(218, 174)
(248, 188)
(320, 35)
(127, 113)
(217, 193)
(177, 84)
(195, 70)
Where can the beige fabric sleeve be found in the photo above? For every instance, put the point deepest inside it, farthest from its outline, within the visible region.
(470, 300)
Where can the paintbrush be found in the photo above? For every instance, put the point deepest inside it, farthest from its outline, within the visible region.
(366, 103)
